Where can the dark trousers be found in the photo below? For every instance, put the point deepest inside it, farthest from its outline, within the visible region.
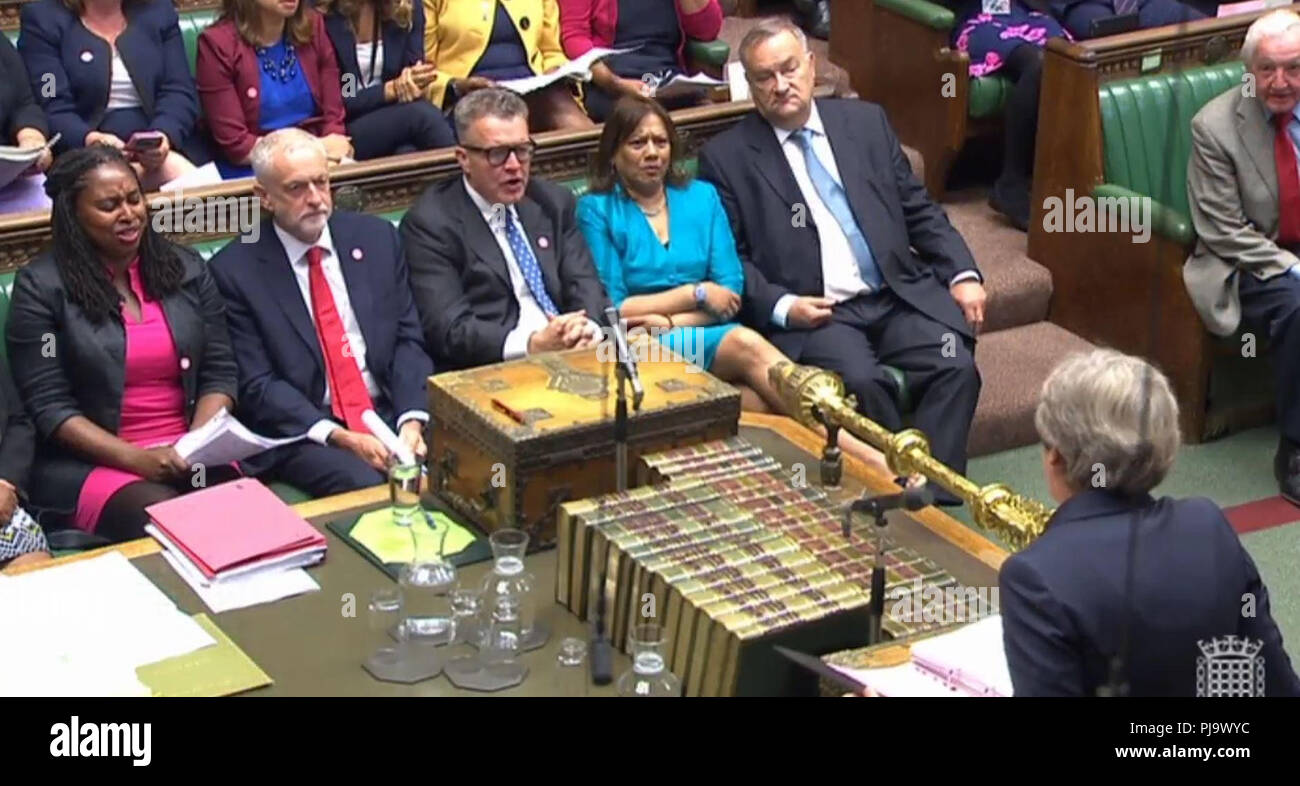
(1152, 13)
(938, 363)
(319, 470)
(1269, 308)
(400, 128)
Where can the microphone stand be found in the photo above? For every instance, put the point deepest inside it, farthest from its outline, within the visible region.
(877, 607)
(602, 672)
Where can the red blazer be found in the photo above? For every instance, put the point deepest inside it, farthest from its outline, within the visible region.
(585, 24)
(230, 83)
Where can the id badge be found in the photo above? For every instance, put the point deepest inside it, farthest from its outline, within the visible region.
(997, 6)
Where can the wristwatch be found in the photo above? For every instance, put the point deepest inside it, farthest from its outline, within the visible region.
(701, 296)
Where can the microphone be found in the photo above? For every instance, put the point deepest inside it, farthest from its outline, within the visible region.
(625, 358)
(908, 499)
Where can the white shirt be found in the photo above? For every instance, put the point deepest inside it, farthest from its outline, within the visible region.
(368, 68)
(121, 90)
(531, 316)
(841, 277)
(296, 251)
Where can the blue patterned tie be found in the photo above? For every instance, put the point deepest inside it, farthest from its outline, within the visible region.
(832, 194)
(529, 267)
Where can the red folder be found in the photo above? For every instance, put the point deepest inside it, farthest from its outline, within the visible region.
(233, 525)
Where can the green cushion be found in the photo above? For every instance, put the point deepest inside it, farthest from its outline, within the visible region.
(192, 23)
(928, 14)
(1165, 221)
(1147, 128)
(987, 95)
(708, 53)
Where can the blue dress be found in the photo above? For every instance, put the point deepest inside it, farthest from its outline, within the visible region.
(631, 261)
(284, 103)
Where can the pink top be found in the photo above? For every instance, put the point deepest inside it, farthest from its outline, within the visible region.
(153, 399)
(585, 24)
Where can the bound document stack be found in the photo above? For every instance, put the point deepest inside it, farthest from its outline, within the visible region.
(969, 661)
(237, 544)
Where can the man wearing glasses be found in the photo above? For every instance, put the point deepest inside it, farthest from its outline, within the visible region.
(849, 264)
(498, 265)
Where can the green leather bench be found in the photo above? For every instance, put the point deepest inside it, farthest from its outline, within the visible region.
(1133, 292)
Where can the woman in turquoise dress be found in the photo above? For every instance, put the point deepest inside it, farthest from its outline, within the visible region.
(663, 247)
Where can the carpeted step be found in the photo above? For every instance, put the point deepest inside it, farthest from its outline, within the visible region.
(1018, 287)
(1013, 364)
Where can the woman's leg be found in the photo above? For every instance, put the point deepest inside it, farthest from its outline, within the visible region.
(416, 125)
(745, 356)
(1011, 192)
(124, 516)
(555, 109)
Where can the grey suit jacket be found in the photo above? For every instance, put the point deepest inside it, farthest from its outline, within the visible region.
(1232, 192)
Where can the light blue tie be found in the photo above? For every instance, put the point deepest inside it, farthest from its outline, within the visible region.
(837, 201)
(529, 267)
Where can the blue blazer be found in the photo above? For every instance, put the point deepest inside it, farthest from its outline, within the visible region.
(281, 369)
(402, 48)
(1063, 598)
(54, 41)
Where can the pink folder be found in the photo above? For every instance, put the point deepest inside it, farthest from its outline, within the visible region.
(233, 525)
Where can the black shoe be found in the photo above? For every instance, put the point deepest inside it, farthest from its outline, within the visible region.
(1286, 468)
(1011, 200)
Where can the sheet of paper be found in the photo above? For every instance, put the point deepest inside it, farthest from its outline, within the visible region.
(206, 175)
(224, 439)
(14, 161)
(84, 627)
(904, 680)
(577, 67)
(391, 543)
(973, 655)
(736, 80)
(251, 590)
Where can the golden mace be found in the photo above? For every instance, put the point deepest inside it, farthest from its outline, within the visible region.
(816, 397)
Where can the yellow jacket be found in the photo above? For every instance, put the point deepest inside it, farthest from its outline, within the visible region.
(456, 34)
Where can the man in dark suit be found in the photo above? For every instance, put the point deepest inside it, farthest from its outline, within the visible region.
(323, 326)
(1170, 576)
(826, 211)
(498, 264)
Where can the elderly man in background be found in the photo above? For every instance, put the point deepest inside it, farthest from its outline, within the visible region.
(1243, 187)
(1121, 587)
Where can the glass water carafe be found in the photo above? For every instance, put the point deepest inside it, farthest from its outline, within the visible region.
(509, 579)
(649, 675)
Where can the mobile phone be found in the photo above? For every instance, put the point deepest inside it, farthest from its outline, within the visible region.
(145, 140)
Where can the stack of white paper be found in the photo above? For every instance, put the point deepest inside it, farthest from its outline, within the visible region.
(83, 628)
(262, 586)
(224, 439)
(969, 661)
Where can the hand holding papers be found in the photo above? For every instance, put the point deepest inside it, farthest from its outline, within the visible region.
(681, 84)
(18, 161)
(578, 68)
(224, 439)
(385, 435)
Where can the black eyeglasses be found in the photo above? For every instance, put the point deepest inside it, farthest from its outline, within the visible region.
(496, 156)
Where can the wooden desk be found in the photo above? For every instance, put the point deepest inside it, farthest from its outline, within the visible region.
(310, 648)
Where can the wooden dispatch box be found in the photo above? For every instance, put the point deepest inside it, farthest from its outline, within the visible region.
(502, 473)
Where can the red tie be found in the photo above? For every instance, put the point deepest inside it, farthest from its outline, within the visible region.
(348, 395)
(1288, 184)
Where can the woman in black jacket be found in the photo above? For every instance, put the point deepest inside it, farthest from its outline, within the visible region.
(119, 346)
(380, 49)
